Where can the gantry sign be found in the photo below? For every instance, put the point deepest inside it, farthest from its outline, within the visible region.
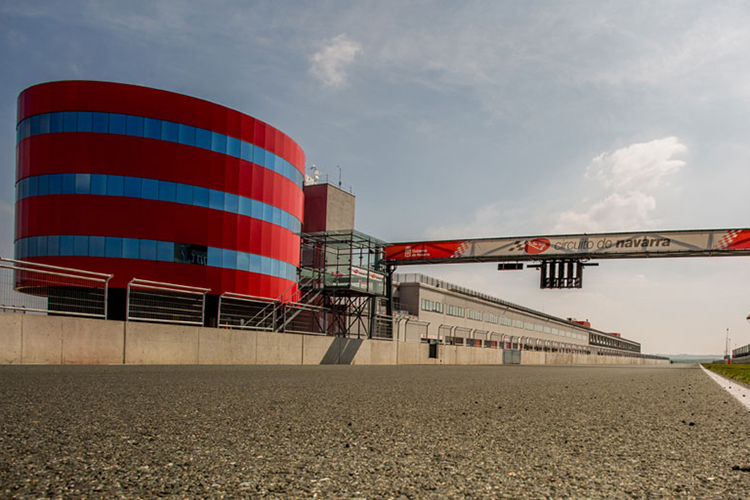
(562, 258)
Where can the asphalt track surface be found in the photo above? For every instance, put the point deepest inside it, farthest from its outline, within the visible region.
(370, 432)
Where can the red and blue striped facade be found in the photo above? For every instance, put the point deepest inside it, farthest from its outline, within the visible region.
(139, 182)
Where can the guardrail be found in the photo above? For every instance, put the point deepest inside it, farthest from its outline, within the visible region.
(42, 288)
(246, 312)
(158, 302)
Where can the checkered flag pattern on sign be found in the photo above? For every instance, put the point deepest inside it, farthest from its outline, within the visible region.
(727, 239)
(460, 250)
(518, 246)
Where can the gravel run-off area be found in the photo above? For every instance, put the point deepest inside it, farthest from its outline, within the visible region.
(370, 432)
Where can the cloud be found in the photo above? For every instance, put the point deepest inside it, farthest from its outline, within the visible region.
(620, 212)
(487, 221)
(629, 175)
(330, 62)
(644, 165)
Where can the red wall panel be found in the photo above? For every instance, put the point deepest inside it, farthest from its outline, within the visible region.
(77, 152)
(96, 215)
(143, 101)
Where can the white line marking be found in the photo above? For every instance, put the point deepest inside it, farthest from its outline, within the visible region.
(740, 393)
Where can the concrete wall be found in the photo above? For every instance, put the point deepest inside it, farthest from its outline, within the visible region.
(149, 344)
(11, 343)
(38, 339)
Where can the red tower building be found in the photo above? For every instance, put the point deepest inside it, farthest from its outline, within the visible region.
(139, 182)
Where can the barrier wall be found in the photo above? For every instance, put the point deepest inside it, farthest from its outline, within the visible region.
(40, 339)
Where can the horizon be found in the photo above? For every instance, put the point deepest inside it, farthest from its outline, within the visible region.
(464, 121)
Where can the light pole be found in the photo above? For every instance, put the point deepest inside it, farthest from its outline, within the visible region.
(726, 346)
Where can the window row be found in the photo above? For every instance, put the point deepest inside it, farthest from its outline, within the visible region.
(152, 189)
(432, 306)
(429, 305)
(163, 251)
(475, 315)
(152, 128)
(612, 342)
(455, 311)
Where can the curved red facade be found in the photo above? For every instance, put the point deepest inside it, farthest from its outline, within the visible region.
(144, 183)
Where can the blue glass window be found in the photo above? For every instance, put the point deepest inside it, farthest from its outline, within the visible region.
(184, 194)
(152, 128)
(233, 147)
(24, 129)
(117, 124)
(98, 184)
(66, 245)
(30, 250)
(216, 199)
(170, 131)
(41, 246)
(243, 261)
(30, 185)
(149, 189)
(256, 209)
(44, 123)
(200, 196)
(148, 250)
(132, 187)
(265, 265)
(69, 121)
(218, 142)
(165, 251)
(214, 257)
(96, 246)
(35, 125)
(85, 121)
(80, 245)
(228, 259)
(166, 191)
(53, 245)
(83, 183)
(267, 213)
(101, 122)
(130, 248)
(202, 138)
(113, 247)
(134, 126)
(115, 185)
(244, 206)
(187, 135)
(55, 122)
(68, 183)
(259, 156)
(255, 263)
(55, 184)
(231, 203)
(246, 151)
(43, 184)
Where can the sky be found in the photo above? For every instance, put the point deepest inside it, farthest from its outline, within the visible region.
(453, 120)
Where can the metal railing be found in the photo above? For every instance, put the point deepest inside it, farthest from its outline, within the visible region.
(42, 288)
(308, 318)
(382, 327)
(153, 301)
(246, 312)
